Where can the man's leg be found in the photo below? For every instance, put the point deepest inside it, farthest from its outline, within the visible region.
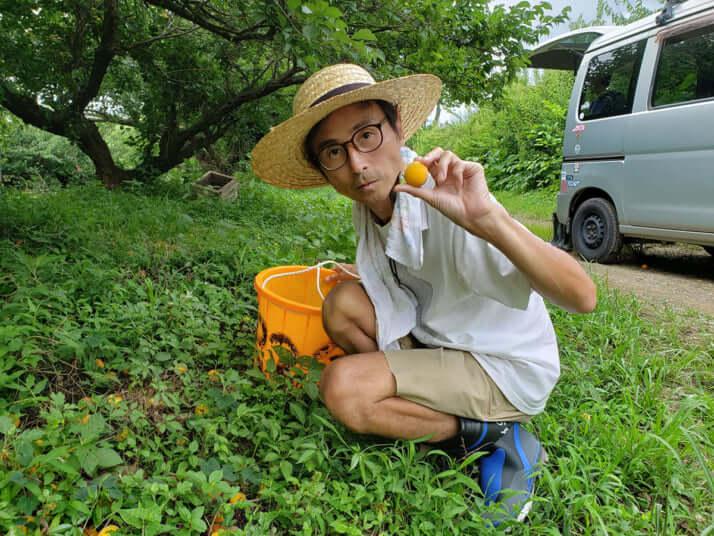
(348, 318)
(360, 391)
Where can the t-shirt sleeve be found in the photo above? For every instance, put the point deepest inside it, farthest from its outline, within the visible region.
(487, 272)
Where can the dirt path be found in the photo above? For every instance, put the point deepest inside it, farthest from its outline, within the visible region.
(680, 276)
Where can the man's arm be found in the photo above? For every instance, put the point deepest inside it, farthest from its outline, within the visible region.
(462, 195)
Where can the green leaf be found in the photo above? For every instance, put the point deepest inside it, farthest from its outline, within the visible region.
(197, 522)
(6, 424)
(298, 411)
(215, 476)
(80, 507)
(364, 35)
(88, 459)
(132, 517)
(107, 457)
(332, 12)
(55, 458)
(255, 373)
(286, 468)
(312, 391)
(305, 456)
(163, 356)
(251, 476)
(93, 428)
(63, 467)
(24, 451)
(39, 387)
(17, 478)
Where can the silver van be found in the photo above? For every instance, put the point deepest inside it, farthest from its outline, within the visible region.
(638, 150)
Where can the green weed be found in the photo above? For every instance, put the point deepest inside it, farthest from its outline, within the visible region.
(129, 395)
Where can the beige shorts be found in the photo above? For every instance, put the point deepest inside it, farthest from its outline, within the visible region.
(450, 381)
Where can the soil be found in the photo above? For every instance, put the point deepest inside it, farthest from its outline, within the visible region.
(679, 276)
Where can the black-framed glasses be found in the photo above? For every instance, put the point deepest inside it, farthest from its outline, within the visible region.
(367, 139)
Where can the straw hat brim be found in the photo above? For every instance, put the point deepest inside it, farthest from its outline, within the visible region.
(280, 159)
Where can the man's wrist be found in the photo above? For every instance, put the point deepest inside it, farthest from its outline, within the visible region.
(492, 226)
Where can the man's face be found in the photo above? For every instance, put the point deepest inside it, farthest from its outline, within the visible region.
(365, 177)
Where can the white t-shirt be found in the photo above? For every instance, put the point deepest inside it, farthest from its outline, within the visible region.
(471, 297)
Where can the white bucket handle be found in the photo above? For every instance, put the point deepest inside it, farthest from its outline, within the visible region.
(319, 265)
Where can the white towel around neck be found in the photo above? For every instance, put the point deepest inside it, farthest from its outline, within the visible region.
(395, 307)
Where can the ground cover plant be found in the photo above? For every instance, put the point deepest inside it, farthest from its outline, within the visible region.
(130, 403)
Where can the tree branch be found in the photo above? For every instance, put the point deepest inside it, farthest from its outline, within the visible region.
(27, 109)
(189, 140)
(75, 41)
(157, 38)
(102, 56)
(100, 116)
(221, 27)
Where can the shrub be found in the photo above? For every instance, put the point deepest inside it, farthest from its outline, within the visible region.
(519, 140)
(33, 157)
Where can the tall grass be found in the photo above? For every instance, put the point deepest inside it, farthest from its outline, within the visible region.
(129, 395)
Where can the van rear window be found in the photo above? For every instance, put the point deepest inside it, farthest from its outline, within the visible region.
(610, 82)
(685, 71)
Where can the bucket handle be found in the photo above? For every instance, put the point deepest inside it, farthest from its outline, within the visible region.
(319, 265)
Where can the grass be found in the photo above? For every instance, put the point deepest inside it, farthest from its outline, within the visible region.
(534, 209)
(533, 205)
(129, 396)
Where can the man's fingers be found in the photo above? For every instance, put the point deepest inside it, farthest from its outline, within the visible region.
(442, 167)
(456, 169)
(422, 193)
(433, 155)
(343, 272)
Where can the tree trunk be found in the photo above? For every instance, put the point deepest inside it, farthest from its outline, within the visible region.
(89, 139)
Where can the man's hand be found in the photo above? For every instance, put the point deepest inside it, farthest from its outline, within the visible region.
(460, 192)
(343, 272)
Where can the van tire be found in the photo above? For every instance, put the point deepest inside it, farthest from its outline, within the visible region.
(594, 232)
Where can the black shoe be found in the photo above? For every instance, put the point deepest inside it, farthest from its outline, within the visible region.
(473, 436)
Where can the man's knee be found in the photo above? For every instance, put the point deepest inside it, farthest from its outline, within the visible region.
(343, 397)
(335, 386)
(338, 301)
(339, 395)
(342, 304)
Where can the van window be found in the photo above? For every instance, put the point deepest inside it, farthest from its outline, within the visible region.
(686, 68)
(610, 82)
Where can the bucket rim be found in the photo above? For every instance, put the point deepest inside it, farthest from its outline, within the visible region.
(281, 300)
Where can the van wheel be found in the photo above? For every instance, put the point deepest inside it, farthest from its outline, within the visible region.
(709, 249)
(594, 232)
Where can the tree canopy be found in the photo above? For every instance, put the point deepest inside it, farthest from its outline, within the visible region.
(617, 12)
(185, 73)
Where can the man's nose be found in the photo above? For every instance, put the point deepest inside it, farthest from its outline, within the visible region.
(355, 158)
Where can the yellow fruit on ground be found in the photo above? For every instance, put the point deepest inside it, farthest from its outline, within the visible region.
(415, 174)
(238, 497)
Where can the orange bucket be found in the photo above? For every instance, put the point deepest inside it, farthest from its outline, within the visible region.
(290, 315)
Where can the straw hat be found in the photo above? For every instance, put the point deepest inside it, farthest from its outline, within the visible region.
(280, 158)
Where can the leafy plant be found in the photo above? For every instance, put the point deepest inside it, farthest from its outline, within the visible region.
(518, 140)
(130, 402)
